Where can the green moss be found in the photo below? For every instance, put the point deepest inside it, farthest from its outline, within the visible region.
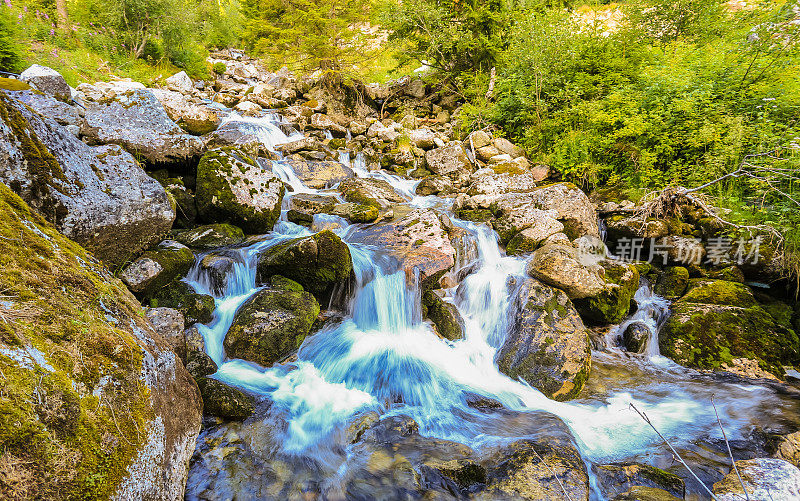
(175, 261)
(12, 84)
(672, 282)
(66, 444)
(211, 236)
(611, 306)
(475, 215)
(180, 295)
(719, 292)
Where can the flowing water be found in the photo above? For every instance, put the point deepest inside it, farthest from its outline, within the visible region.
(381, 356)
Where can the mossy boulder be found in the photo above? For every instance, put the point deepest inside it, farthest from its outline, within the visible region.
(641, 493)
(369, 191)
(303, 207)
(356, 213)
(620, 477)
(180, 296)
(319, 263)
(716, 322)
(672, 282)
(157, 267)
(444, 315)
(234, 188)
(211, 236)
(612, 304)
(99, 197)
(548, 345)
(271, 325)
(94, 403)
(225, 401)
(562, 266)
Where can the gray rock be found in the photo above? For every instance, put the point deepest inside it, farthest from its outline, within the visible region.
(449, 160)
(50, 107)
(764, 478)
(136, 120)
(99, 197)
(47, 80)
(157, 267)
(193, 118)
(180, 82)
(169, 324)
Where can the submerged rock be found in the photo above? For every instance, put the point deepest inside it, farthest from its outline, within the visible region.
(271, 325)
(99, 197)
(320, 263)
(548, 345)
(115, 415)
(716, 322)
(232, 187)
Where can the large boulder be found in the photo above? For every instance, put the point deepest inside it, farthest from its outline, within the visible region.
(445, 316)
(180, 82)
(115, 414)
(271, 325)
(421, 241)
(136, 120)
(234, 188)
(563, 266)
(99, 197)
(611, 305)
(48, 81)
(490, 183)
(319, 174)
(763, 478)
(50, 107)
(450, 160)
(157, 267)
(180, 296)
(321, 263)
(369, 191)
(193, 118)
(211, 236)
(717, 323)
(548, 345)
(303, 207)
(225, 401)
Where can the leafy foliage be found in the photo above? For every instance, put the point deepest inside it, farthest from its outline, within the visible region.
(10, 52)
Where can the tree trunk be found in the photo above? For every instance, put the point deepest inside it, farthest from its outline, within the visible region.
(63, 19)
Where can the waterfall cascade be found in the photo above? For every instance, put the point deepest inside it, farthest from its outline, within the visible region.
(383, 357)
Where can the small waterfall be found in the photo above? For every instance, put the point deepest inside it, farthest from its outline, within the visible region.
(651, 312)
(270, 130)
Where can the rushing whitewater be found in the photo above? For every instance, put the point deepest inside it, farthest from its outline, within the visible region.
(383, 356)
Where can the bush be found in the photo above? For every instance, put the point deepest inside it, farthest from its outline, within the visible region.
(10, 52)
(220, 68)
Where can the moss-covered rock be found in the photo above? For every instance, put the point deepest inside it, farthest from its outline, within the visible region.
(93, 403)
(303, 207)
(271, 325)
(356, 213)
(641, 493)
(620, 477)
(612, 304)
(444, 315)
(234, 188)
(549, 346)
(319, 263)
(225, 401)
(717, 322)
(672, 282)
(180, 295)
(368, 191)
(211, 236)
(157, 267)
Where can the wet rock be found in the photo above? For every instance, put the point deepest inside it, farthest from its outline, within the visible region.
(225, 401)
(611, 305)
(137, 121)
(457, 477)
(635, 337)
(548, 346)
(99, 197)
(169, 324)
(232, 187)
(356, 213)
(303, 206)
(158, 267)
(211, 236)
(48, 81)
(618, 478)
(639, 493)
(560, 266)
(672, 282)
(271, 325)
(248, 108)
(764, 478)
(195, 119)
(319, 174)
(433, 185)
(217, 268)
(368, 191)
(535, 470)
(420, 240)
(716, 323)
(787, 447)
(67, 435)
(320, 263)
(444, 315)
(196, 308)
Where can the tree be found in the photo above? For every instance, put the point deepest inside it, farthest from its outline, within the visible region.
(307, 34)
(452, 36)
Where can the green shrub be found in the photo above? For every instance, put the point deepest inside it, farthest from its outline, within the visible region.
(220, 68)
(10, 52)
